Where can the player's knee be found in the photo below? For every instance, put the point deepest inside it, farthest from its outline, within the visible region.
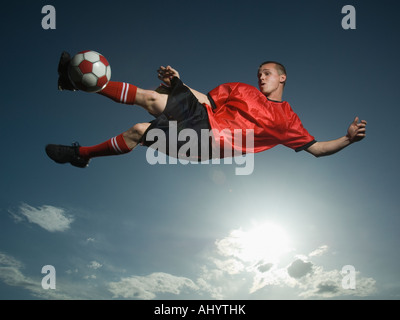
(136, 132)
(140, 128)
(155, 102)
(151, 100)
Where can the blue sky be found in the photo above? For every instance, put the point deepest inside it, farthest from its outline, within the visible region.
(125, 229)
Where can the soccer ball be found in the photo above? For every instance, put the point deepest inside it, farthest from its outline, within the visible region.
(89, 71)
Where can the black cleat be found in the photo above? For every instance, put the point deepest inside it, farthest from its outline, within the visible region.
(64, 83)
(66, 154)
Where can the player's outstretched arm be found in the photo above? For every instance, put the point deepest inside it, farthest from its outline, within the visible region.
(356, 132)
(165, 74)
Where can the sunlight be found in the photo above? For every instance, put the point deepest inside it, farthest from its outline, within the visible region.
(267, 242)
(264, 243)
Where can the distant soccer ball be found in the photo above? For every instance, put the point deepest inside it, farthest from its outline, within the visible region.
(89, 71)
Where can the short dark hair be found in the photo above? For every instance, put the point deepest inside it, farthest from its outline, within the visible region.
(279, 66)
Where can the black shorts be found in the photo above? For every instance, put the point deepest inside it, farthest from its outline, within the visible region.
(183, 111)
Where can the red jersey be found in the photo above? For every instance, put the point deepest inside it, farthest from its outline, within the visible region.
(241, 106)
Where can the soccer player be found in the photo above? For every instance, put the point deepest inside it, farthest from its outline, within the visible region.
(225, 109)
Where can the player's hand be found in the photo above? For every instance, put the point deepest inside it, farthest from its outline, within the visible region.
(165, 74)
(357, 130)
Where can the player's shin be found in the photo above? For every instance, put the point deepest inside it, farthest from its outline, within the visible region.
(121, 92)
(113, 146)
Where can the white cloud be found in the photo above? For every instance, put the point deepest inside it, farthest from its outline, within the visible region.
(48, 217)
(69, 271)
(147, 287)
(227, 272)
(94, 265)
(11, 274)
(319, 251)
(234, 269)
(328, 284)
(299, 268)
(6, 260)
(229, 265)
(208, 282)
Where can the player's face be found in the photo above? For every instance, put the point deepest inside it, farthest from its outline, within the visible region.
(269, 79)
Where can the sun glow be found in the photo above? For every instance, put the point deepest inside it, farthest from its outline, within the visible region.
(264, 243)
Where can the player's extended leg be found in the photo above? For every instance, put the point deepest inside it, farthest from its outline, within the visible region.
(121, 92)
(126, 93)
(80, 156)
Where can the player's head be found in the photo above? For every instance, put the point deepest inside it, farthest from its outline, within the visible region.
(279, 67)
(271, 77)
